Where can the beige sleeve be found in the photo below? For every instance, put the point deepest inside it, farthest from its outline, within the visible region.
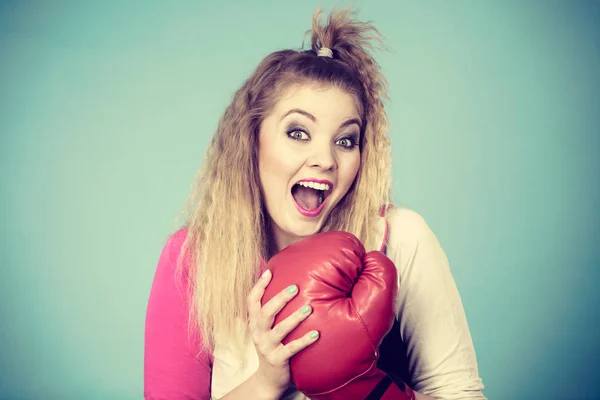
(433, 324)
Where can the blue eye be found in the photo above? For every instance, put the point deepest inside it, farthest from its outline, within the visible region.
(347, 143)
(297, 134)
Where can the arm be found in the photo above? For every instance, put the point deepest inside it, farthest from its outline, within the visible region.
(176, 365)
(421, 396)
(171, 368)
(433, 324)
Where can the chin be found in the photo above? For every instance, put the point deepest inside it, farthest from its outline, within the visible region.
(293, 226)
(296, 230)
(304, 229)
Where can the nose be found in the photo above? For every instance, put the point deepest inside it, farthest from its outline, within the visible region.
(322, 157)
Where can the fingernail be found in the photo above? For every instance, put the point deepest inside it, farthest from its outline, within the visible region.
(305, 309)
(292, 289)
(266, 274)
(314, 334)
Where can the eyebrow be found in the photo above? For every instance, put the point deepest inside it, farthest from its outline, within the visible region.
(314, 119)
(302, 112)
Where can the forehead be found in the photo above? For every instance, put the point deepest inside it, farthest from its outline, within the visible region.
(325, 101)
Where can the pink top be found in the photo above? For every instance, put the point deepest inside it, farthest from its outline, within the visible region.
(171, 368)
(432, 323)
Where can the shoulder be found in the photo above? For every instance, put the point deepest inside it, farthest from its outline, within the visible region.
(407, 225)
(174, 242)
(411, 241)
(171, 262)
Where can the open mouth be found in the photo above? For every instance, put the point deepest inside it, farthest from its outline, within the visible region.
(310, 195)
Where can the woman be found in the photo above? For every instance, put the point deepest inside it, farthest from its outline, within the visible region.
(302, 148)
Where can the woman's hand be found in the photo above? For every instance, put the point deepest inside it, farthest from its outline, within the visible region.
(273, 369)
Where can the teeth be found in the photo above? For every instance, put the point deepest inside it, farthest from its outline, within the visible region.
(314, 185)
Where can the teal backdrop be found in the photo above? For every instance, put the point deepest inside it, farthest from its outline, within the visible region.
(106, 109)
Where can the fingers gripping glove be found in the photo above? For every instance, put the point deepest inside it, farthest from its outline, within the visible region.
(352, 294)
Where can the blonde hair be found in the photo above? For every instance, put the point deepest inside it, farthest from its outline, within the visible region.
(227, 223)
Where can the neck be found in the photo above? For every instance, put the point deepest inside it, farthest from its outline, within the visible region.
(279, 240)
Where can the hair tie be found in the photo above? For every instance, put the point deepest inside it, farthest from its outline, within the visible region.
(325, 52)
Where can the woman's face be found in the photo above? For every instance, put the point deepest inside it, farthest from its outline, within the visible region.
(308, 158)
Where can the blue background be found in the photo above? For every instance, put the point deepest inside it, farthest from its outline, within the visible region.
(106, 109)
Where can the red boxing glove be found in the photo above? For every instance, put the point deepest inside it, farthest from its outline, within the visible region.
(352, 294)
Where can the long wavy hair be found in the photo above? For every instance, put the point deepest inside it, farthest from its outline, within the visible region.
(227, 223)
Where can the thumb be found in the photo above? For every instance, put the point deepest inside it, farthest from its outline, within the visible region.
(375, 294)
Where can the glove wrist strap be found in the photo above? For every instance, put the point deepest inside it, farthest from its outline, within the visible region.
(382, 390)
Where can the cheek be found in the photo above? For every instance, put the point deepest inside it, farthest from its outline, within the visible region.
(350, 167)
(276, 165)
